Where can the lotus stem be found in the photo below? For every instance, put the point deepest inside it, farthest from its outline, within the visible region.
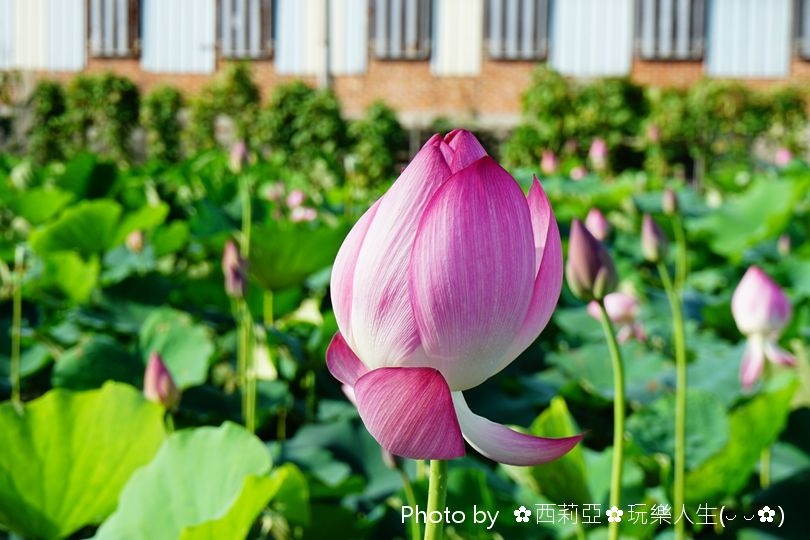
(618, 417)
(437, 495)
(765, 468)
(169, 422)
(16, 327)
(416, 530)
(681, 262)
(247, 361)
(679, 336)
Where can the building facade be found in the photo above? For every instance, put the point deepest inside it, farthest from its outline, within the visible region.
(470, 59)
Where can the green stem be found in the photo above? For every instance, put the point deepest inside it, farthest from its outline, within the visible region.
(679, 336)
(421, 469)
(765, 468)
(681, 260)
(410, 498)
(437, 494)
(169, 421)
(247, 360)
(16, 328)
(618, 417)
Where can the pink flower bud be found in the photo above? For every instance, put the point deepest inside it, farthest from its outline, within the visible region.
(296, 198)
(590, 271)
(548, 164)
(653, 133)
(598, 154)
(234, 268)
(597, 224)
(783, 245)
(239, 157)
(158, 385)
(578, 173)
(622, 309)
(135, 241)
(653, 240)
(669, 202)
(303, 213)
(783, 157)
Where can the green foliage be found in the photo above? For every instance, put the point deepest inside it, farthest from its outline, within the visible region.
(48, 107)
(378, 139)
(160, 117)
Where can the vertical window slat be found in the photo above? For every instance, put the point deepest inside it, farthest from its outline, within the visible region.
(518, 29)
(495, 27)
(401, 28)
(805, 30)
(670, 29)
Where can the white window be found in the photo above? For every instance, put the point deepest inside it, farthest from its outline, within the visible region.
(179, 36)
(113, 27)
(803, 27)
(671, 29)
(517, 29)
(402, 29)
(245, 28)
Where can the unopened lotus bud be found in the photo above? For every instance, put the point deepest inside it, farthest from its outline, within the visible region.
(654, 133)
(597, 224)
(239, 157)
(669, 202)
(296, 198)
(783, 245)
(590, 271)
(598, 154)
(302, 214)
(234, 268)
(783, 157)
(548, 164)
(653, 240)
(578, 173)
(158, 385)
(134, 241)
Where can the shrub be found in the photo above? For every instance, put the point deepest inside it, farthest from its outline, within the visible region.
(47, 104)
(378, 138)
(159, 116)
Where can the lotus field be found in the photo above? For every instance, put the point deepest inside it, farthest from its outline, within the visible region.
(220, 347)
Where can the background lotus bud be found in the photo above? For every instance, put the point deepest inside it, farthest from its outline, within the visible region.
(273, 191)
(783, 157)
(590, 271)
(761, 311)
(303, 213)
(622, 309)
(234, 268)
(783, 245)
(597, 224)
(653, 240)
(653, 133)
(134, 241)
(158, 385)
(239, 157)
(296, 198)
(669, 202)
(578, 173)
(439, 286)
(598, 154)
(548, 164)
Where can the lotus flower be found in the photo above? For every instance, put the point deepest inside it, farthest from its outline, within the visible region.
(578, 173)
(296, 198)
(783, 157)
(438, 287)
(303, 213)
(622, 310)
(590, 270)
(158, 385)
(234, 268)
(669, 202)
(238, 158)
(598, 154)
(597, 224)
(135, 241)
(654, 242)
(548, 164)
(761, 311)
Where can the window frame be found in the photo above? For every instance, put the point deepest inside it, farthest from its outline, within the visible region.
(267, 33)
(541, 42)
(698, 24)
(423, 30)
(133, 25)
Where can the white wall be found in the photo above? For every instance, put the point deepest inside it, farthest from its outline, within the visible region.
(179, 36)
(458, 30)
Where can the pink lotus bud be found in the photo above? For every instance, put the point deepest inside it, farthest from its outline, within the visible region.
(134, 241)
(669, 202)
(653, 240)
(590, 271)
(239, 157)
(761, 311)
(783, 157)
(303, 213)
(158, 385)
(548, 164)
(598, 154)
(439, 286)
(234, 268)
(653, 133)
(578, 173)
(296, 198)
(273, 191)
(783, 245)
(597, 224)
(622, 310)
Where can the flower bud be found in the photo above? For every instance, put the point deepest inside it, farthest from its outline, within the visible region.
(653, 240)
(234, 268)
(296, 198)
(239, 157)
(654, 133)
(158, 385)
(589, 270)
(783, 245)
(134, 241)
(598, 154)
(549, 163)
(597, 224)
(783, 157)
(669, 202)
(302, 214)
(578, 173)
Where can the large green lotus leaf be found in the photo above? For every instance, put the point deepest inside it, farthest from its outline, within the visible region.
(143, 219)
(87, 177)
(90, 364)
(185, 347)
(212, 479)
(67, 455)
(753, 426)
(281, 257)
(563, 480)
(762, 212)
(38, 205)
(87, 227)
(652, 428)
(67, 275)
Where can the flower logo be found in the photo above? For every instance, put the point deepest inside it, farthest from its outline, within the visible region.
(614, 514)
(766, 513)
(522, 514)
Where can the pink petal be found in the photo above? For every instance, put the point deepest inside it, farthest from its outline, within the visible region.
(501, 444)
(758, 304)
(549, 270)
(383, 329)
(752, 363)
(778, 355)
(343, 270)
(472, 272)
(624, 333)
(342, 363)
(466, 149)
(409, 411)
